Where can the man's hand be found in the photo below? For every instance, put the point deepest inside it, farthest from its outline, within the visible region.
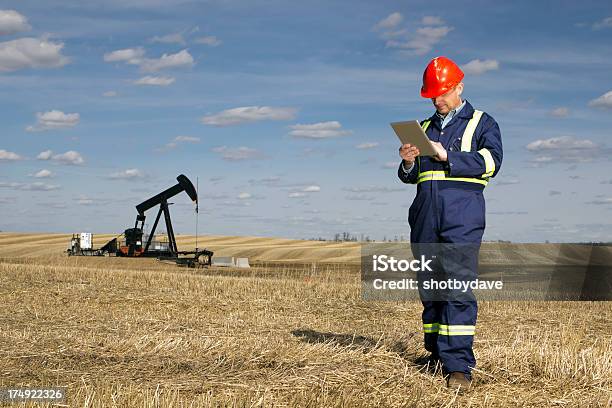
(440, 152)
(408, 152)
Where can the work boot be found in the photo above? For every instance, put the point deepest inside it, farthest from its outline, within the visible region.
(458, 380)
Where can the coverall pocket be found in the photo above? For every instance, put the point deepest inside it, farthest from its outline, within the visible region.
(414, 210)
(463, 215)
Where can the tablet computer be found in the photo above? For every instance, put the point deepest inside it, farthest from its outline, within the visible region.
(411, 132)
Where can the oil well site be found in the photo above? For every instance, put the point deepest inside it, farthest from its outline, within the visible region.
(291, 330)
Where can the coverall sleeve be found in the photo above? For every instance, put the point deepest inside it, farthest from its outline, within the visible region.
(483, 163)
(408, 177)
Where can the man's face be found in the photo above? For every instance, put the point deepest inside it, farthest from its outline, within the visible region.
(449, 101)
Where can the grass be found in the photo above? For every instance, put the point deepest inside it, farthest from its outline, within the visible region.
(139, 333)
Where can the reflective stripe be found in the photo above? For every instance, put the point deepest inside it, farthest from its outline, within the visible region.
(456, 330)
(466, 146)
(430, 327)
(468, 134)
(489, 162)
(449, 330)
(442, 175)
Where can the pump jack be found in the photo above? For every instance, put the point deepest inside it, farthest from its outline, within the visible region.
(133, 246)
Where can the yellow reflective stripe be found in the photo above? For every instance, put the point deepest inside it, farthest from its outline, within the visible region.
(430, 327)
(468, 134)
(457, 330)
(442, 175)
(449, 330)
(431, 172)
(489, 162)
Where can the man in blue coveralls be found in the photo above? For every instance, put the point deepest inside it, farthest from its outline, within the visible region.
(449, 206)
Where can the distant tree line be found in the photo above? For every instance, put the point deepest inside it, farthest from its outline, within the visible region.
(348, 237)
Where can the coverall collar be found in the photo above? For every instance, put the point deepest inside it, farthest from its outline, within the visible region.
(466, 112)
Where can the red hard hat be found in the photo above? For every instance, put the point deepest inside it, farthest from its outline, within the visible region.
(440, 76)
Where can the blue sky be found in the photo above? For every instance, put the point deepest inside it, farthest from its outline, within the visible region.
(281, 110)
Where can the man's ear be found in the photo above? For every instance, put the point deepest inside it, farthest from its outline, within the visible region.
(459, 88)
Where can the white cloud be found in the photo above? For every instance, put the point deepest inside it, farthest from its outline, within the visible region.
(311, 189)
(54, 119)
(422, 41)
(176, 38)
(543, 159)
(12, 22)
(136, 56)
(31, 53)
(178, 140)
(187, 139)
(304, 191)
(389, 22)
(390, 165)
(560, 112)
(391, 34)
(267, 181)
(129, 55)
(508, 181)
(44, 173)
(359, 197)
(37, 186)
(564, 150)
(110, 94)
(46, 155)
(84, 200)
(128, 174)
(167, 61)
(432, 20)
(605, 23)
(70, 157)
(369, 145)
(208, 40)
(238, 154)
(155, 80)
(604, 101)
(321, 130)
(560, 143)
(9, 156)
(425, 39)
(244, 196)
(247, 114)
(601, 201)
(478, 67)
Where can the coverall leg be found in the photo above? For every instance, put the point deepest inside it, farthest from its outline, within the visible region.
(449, 216)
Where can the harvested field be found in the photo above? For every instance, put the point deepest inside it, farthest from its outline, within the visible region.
(133, 333)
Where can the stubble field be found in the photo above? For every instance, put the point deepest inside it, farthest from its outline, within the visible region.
(139, 333)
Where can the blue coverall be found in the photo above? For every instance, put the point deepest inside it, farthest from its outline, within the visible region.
(449, 208)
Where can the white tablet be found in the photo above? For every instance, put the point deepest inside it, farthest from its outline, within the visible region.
(411, 132)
